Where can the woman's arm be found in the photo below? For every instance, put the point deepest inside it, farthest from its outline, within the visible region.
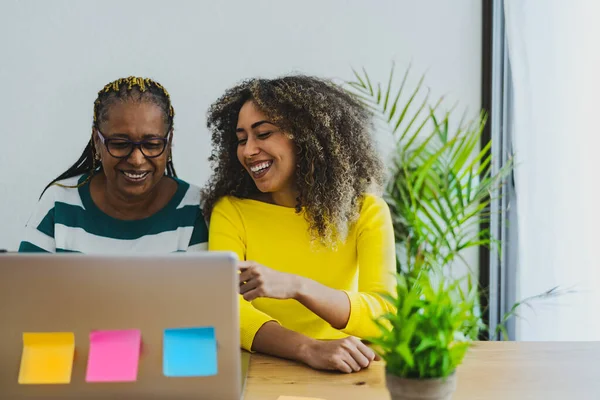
(227, 233)
(330, 304)
(376, 251)
(261, 333)
(345, 355)
(351, 312)
(259, 281)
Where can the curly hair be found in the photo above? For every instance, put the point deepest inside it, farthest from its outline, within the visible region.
(337, 161)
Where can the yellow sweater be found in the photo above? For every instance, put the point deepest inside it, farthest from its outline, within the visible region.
(278, 238)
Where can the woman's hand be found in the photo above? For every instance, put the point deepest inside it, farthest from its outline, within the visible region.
(345, 355)
(259, 281)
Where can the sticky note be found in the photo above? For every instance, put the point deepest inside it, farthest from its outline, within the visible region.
(297, 398)
(47, 358)
(114, 356)
(189, 352)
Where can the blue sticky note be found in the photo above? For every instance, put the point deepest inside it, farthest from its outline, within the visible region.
(189, 352)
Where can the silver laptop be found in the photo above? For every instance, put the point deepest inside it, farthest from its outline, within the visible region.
(70, 325)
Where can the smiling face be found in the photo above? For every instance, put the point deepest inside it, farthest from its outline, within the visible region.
(134, 176)
(267, 153)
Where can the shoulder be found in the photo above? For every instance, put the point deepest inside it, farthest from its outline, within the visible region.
(64, 191)
(373, 208)
(189, 193)
(251, 208)
(370, 203)
(229, 203)
(228, 210)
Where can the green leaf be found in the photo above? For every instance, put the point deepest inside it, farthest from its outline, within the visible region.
(357, 76)
(368, 82)
(389, 88)
(403, 350)
(416, 115)
(425, 344)
(398, 94)
(408, 103)
(445, 364)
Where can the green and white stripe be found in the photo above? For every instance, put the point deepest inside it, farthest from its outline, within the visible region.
(67, 220)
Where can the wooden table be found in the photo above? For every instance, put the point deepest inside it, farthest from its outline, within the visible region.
(491, 371)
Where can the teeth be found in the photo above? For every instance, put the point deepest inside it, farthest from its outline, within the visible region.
(135, 176)
(261, 166)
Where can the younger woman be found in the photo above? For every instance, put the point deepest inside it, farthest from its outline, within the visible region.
(293, 195)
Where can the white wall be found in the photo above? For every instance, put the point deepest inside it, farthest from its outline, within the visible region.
(56, 55)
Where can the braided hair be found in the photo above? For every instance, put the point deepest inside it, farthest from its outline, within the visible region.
(123, 89)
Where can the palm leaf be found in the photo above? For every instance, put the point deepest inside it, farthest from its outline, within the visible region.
(440, 190)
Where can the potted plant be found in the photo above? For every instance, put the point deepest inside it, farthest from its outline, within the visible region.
(439, 192)
(426, 339)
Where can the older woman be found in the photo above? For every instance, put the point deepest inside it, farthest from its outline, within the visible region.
(122, 194)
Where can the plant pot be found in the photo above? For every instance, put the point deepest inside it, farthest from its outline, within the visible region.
(421, 389)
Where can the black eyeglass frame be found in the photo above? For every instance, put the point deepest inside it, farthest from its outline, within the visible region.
(106, 142)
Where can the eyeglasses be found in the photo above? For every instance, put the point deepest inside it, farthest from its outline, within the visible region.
(122, 148)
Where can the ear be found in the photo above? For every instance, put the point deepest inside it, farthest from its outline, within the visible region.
(95, 139)
(170, 142)
(96, 145)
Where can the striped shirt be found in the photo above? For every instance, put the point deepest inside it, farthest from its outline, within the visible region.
(68, 220)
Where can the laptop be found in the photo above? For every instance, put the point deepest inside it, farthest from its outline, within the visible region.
(70, 325)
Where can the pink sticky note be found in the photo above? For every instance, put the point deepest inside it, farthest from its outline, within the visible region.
(114, 356)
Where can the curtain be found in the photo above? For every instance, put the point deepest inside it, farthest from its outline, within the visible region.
(554, 56)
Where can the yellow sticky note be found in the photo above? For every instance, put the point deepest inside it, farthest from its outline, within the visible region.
(297, 398)
(47, 358)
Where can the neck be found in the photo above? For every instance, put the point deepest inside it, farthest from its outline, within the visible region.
(285, 198)
(129, 208)
(122, 207)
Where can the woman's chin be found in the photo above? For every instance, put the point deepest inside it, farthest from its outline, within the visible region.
(264, 186)
(135, 191)
(264, 189)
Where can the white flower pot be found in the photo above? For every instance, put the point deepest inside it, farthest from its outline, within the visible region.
(421, 389)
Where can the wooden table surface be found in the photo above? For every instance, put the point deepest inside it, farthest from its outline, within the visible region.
(491, 371)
